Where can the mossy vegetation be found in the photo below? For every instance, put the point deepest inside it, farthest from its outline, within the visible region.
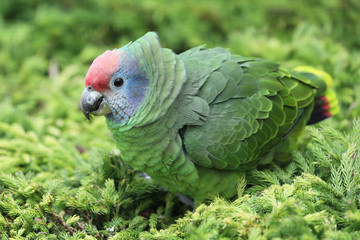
(61, 176)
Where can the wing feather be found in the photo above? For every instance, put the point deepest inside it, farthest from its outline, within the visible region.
(253, 104)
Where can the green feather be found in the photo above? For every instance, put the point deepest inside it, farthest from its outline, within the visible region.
(248, 86)
(229, 91)
(215, 84)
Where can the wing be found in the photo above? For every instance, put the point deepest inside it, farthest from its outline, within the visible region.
(253, 105)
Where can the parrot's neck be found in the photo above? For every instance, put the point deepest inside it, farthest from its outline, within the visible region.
(155, 148)
(138, 145)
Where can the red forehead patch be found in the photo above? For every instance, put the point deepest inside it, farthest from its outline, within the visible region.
(101, 70)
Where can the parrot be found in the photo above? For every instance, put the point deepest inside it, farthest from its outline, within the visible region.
(197, 122)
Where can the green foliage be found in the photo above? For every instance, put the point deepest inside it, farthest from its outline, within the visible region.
(105, 197)
(60, 176)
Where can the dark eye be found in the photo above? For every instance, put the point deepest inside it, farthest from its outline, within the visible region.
(118, 82)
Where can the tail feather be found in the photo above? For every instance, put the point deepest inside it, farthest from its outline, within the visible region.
(326, 103)
(321, 110)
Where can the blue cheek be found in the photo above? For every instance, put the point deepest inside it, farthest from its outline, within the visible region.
(135, 90)
(131, 94)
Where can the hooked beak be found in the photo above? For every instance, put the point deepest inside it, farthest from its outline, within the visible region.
(93, 102)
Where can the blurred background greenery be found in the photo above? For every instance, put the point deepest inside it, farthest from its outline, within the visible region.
(46, 47)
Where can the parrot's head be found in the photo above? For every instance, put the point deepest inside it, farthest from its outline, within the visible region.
(115, 85)
(134, 85)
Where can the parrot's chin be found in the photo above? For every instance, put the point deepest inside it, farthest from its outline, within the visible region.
(102, 110)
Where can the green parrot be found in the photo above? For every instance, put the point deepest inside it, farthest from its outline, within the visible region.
(196, 122)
